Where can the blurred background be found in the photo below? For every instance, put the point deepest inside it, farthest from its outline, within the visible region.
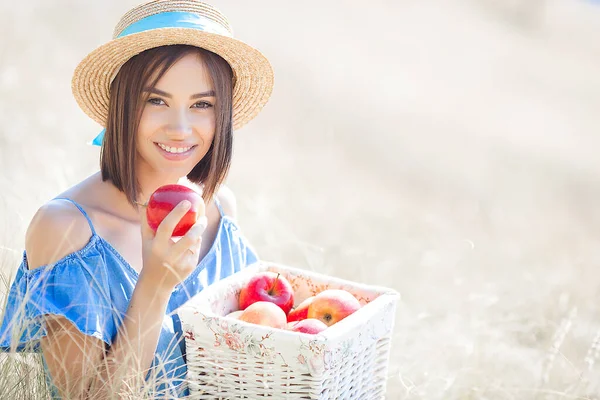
(444, 148)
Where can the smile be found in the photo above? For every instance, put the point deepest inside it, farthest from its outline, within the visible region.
(174, 150)
(175, 153)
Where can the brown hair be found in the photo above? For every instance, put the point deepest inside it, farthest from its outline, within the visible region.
(126, 103)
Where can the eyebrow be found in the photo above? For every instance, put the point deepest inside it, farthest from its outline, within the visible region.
(210, 93)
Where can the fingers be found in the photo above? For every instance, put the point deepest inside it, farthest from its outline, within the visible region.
(167, 226)
(192, 240)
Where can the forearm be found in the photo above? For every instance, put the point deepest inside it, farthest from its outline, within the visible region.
(129, 358)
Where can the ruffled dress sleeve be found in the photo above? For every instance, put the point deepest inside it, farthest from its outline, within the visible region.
(76, 287)
(250, 255)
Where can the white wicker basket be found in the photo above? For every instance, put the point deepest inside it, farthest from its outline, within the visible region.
(232, 359)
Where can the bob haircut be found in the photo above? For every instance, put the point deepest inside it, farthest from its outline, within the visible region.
(127, 99)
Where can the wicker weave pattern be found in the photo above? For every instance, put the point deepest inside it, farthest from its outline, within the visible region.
(156, 7)
(229, 359)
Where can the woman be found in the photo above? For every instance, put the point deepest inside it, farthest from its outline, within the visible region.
(97, 290)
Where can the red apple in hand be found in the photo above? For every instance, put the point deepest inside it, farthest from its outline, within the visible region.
(309, 325)
(301, 312)
(267, 286)
(165, 198)
(333, 305)
(264, 313)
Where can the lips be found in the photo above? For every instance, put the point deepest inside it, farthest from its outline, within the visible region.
(174, 148)
(180, 155)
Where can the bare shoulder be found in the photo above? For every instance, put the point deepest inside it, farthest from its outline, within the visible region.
(57, 229)
(227, 199)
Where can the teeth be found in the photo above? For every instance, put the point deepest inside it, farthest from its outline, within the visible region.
(173, 149)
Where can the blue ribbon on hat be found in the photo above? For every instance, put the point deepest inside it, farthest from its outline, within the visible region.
(98, 139)
(175, 19)
(171, 19)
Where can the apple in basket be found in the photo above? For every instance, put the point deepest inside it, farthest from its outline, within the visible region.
(264, 313)
(267, 286)
(309, 325)
(332, 305)
(301, 312)
(166, 198)
(234, 314)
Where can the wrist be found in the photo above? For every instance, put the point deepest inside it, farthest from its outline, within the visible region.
(152, 290)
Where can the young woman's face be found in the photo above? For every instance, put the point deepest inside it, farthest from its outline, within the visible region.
(177, 126)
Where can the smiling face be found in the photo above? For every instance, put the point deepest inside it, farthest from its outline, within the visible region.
(170, 116)
(177, 125)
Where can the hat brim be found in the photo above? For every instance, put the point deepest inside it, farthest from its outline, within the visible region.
(253, 74)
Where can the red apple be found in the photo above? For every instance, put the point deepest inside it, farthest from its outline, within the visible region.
(309, 325)
(333, 305)
(165, 198)
(264, 313)
(267, 286)
(301, 312)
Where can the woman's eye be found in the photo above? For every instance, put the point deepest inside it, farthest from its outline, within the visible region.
(156, 101)
(202, 104)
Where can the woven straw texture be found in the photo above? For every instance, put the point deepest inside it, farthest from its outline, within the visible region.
(231, 359)
(253, 74)
(157, 7)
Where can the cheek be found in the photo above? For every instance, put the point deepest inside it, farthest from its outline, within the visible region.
(206, 128)
(148, 123)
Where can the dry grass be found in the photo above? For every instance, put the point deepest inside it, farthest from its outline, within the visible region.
(446, 149)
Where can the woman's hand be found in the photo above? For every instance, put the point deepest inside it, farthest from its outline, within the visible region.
(167, 262)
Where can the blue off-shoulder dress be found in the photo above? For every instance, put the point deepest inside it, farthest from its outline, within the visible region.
(92, 288)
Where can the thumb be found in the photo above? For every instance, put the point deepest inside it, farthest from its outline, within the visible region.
(147, 232)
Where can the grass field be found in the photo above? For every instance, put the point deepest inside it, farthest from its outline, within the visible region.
(447, 149)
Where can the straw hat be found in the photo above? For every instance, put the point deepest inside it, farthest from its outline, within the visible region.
(165, 22)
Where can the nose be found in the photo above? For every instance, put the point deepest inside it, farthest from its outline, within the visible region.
(181, 126)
